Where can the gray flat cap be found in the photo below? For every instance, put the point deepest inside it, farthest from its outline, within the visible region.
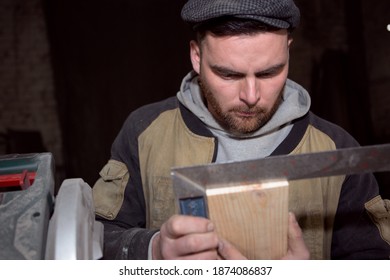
(277, 13)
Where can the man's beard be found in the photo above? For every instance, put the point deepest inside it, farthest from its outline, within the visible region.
(234, 124)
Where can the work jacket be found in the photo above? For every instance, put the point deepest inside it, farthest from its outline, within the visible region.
(342, 217)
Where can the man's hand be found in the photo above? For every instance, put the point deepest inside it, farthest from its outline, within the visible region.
(296, 250)
(186, 237)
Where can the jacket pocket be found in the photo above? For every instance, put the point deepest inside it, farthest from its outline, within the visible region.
(108, 191)
(379, 211)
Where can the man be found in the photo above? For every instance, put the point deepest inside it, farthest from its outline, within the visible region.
(236, 104)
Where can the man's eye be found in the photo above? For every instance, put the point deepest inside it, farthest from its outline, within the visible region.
(268, 75)
(228, 76)
(271, 73)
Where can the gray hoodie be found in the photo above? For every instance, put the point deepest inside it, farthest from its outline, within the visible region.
(295, 104)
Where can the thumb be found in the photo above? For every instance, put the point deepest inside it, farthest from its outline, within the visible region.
(228, 251)
(297, 249)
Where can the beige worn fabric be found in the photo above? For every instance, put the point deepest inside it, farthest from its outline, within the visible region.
(181, 148)
(379, 211)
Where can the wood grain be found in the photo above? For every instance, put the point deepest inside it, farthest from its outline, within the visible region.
(252, 217)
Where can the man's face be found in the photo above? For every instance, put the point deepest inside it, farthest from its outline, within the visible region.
(242, 77)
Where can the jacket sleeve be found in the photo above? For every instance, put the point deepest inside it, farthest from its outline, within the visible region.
(356, 234)
(123, 244)
(118, 207)
(119, 199)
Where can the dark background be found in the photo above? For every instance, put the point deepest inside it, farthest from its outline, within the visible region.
(109, 58)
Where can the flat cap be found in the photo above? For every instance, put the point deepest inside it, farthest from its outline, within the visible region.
(277, 13)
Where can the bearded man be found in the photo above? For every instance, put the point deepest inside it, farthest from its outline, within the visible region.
(237, 104)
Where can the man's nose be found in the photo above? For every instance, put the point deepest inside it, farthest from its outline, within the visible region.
(249, 92)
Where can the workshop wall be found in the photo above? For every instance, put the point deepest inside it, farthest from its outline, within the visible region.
(377, 42)
(341, 55)
(73, 70)
(28, 108)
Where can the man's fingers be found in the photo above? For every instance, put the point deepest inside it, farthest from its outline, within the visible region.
(193, 246)
(205, 255)
(179, 225)
(184, 237)
(194, 243)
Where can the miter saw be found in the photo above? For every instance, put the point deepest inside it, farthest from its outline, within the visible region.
(34, 224)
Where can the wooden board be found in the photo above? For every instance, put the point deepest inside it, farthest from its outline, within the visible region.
(252, 217)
